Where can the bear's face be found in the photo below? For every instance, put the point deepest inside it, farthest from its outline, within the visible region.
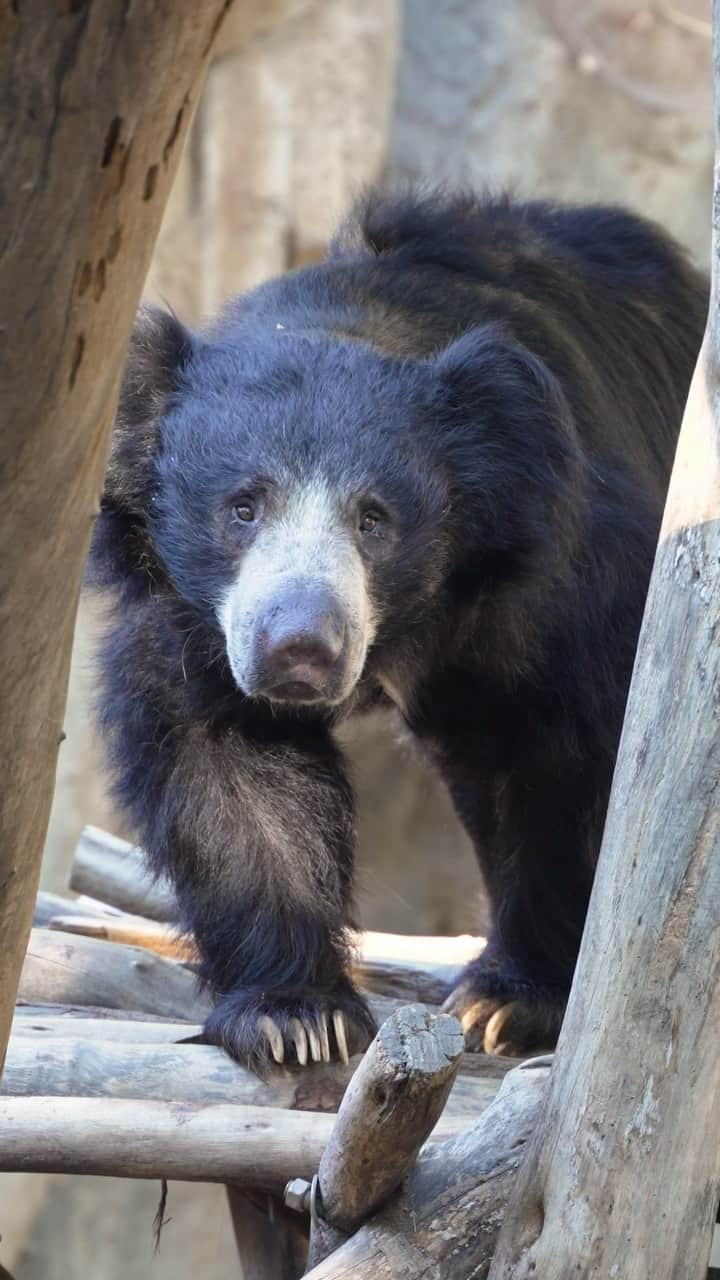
(294, 505)
(313, 499)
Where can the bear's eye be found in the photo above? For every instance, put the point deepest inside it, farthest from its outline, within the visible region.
(244, 511)
(369, 521)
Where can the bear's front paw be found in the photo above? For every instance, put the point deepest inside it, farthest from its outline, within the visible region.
(311, 1027)
(522, 1019)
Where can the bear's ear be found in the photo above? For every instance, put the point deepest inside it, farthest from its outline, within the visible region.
(160, 347)
(507, 434)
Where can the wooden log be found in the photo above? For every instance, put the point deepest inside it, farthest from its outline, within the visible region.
(86, 1013)
(136, 931)
(137, 1031)
(70, 970)
(250, 1146)
(445, 1219)
(259, 1147)
(113, 870)
(49, 905)
(386, 962)
(623, 1177)
(391, 1106)
(67, 1066)
(76, 969)
(84, 193)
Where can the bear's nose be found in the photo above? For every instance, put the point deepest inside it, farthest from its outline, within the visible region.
(303, 638)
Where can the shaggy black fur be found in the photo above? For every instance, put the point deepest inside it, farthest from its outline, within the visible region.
(507, 381)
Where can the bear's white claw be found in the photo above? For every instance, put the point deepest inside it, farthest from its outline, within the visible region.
(324, 1037)
(299, 1039)
(273, 1034)
(340, 1035)
(315, 1052)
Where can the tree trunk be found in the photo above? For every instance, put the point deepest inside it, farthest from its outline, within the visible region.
(623, 1175)
(95, 100)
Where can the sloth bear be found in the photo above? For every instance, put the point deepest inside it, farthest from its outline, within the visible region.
(427, 473)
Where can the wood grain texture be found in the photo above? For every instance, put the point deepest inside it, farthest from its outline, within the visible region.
(92, 99)
(623, 1176)
(121, 1066)
(444, 1222)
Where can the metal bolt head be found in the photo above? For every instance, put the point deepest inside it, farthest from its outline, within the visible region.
(297, 1195)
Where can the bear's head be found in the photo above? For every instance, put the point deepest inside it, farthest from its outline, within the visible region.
(322, 504)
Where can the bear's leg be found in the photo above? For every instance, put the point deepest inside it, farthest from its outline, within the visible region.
(536, 854)
(257, 833)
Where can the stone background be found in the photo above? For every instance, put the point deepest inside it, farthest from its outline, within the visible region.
(308, 100)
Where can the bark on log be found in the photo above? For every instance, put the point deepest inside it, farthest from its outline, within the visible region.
(445, 1220)
(95, 101)
(391, 1106)
(92, 1067)
(623, 1176)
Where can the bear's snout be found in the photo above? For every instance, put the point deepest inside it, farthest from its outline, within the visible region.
(300, 647)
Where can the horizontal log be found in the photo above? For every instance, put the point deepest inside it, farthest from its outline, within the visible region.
(66, 1066)
(138, 1031)
(113, 870)
(258, 1147)
(69, 970)
(135, 931)
(75, 969)
(49, 905)
(25, 1010)
(255, 1147)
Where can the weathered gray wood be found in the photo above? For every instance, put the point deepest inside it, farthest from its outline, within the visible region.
(49, 905)
(113, 870)
(79, 223)
(271, 1243)
(85, 1013)
(392, 1104)
(127, 1138)
(443, 1224)
(624, 1174)
(41, 1028)
(77, 970)
(66, 1066)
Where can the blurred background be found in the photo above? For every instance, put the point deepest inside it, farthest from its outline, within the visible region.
(306, 102)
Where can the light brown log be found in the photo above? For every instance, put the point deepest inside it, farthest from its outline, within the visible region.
(95, 101)
(391, 1106)
(624, 1174)
(122, 1067)
(113, 870)
(136, 931)
(443, 1224)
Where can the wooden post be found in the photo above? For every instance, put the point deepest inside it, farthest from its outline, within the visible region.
(392, 1104)
(624, 1174)
(95, 101)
